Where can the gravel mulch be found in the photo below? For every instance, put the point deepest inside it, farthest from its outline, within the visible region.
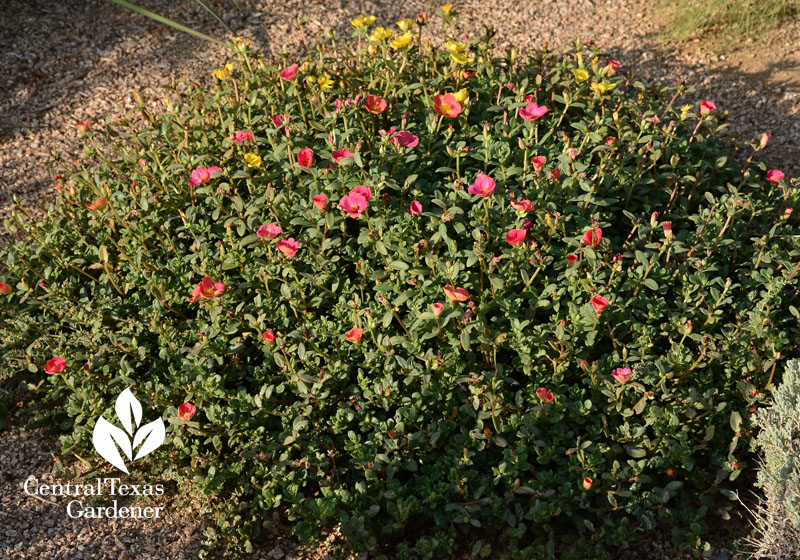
(71, 60)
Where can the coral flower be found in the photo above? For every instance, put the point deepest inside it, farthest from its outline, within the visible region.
(186, 411)
(538, 162)
(290, 72)
(416, 208)
(363, 191)
(522, 205)
(541, 392)
(593, 237)
(354, 204)
(54, 365)
(405, 139)
(775, 175)
(375, 105)
(483, 186)
(549, 398)
(5, 289)
(97, 204)
(572, 259)
(516, 236)
(305, 157)
(339, 155)
(354, 335)
(706, 106)
(623, 374)
(202, 175)
(764, 140)
(587, 483)
(532, 112)
(320, 201)
(288, 247)
(447, 105)
(456, 294)
(599, 303)
(243, 136)
(269, 337)
(438, 308)
(207, 289)
(269, 231)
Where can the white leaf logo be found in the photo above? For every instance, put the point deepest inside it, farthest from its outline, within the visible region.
(108, 439)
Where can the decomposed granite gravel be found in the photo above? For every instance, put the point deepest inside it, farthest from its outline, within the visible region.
(70, 60)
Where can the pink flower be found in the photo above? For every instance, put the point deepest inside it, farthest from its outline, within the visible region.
(243, 136)
(416, 208)
(483, 186)
(532, 112)
(447, 105)
(541, 392)
(587, 483)
(599, 303)
(623, 375)
(593, 237)
(706, 106)
(516, 236)
(288, 247)
(611, 141)
(667, 229)
(339, 155)
(320, 201)
(456, 294)
(207, 289)
(438, 308)
(353, 204)
(354, 335)
(529, 99)
(612, 66)
(290, 72)
(54, 365)
(375, 105)
(5, 289)
(269, 337)
(405, 139)
(186, 411)
(572, 259)
(522, 205)
(775, 176)
(363, 191)
(280, 120)
(269, 231)
(305, 157)
(538, 162)
(202, 175)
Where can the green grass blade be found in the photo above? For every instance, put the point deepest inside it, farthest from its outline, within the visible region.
(169, 22)
(211, 11)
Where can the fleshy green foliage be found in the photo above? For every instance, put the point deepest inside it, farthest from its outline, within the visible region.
(727, 22)
(779, 524)
(427, 434)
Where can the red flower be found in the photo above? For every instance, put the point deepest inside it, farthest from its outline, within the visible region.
(83, 126)
(447, 105)
(269, 337)
(54, 365)
(541, 392)
(288, 247)
(610, 140)
(555, 174)
(5, 289)
(538, 162)
(207, 289)
(456, 294)
(375, 105)
(320, 201)
(587, 483)
(549, 398)
(186, 411)
(612, 67)
(416, 208)
(706, 106)
(572, 259)
(516, 236)
(290, 72)
(599, 303)
(339, 155)
(775, 176)
(305, 158)
(354, 335)
(593, 237)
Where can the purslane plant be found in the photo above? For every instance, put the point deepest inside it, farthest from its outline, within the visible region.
(430, 294)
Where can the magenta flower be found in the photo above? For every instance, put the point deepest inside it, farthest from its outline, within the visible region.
(483, 186)
(320, 201)
(623, 375)
(202, 175)
(416, 208)
(405, 139)
(532, 112)
(363, 191)
(289, 73)
(339, 155)
(354, 204)
(516, 236)
(280, 120)
(288, 247)
(243, 136)
(538, 162)
(269, 231)
(706, 106)
(54, 365)
(775, 175)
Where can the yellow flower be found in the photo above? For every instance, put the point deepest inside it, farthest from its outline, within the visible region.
(454, 47)
(685, 111)
(581, 75)
(405, 24)
(460, 58)
(600, 88)
(461, 95)
(324, 83)
(447, 8)
(252, 160)
(380, 34)
(224, 73)
(548, 220)
(594, 64)
(369, 20)
(310, 80)
(401, 41)
(363, 21)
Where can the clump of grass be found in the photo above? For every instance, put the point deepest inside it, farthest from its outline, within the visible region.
(727, 23)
